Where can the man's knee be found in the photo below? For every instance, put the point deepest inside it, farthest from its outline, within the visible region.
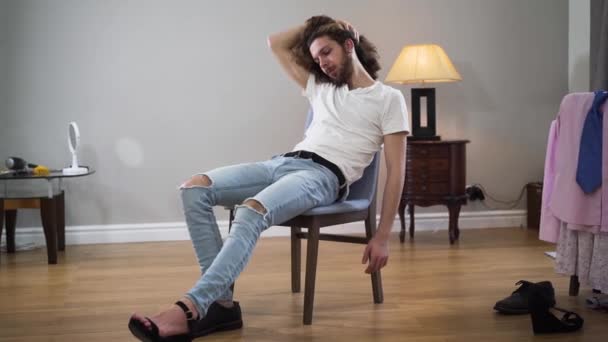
(197, 181)
(255, 205)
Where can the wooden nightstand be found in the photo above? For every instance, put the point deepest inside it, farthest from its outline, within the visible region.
(435, 173)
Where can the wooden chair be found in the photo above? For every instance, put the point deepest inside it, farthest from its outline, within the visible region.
(359, 206)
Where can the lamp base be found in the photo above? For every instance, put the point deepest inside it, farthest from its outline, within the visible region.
(423, 138)
(419, 131)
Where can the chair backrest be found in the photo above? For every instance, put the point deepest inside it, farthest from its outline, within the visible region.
(365, 187)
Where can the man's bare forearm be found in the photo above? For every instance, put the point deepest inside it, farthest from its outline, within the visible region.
(281, 45)
(285, 40)
(390, 201)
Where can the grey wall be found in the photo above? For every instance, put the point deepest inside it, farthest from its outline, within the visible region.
(578, 45)
(163, 89)
(4, 82)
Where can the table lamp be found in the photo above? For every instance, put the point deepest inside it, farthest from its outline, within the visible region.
(421, 64)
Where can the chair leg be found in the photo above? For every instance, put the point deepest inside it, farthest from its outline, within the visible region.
(312, 251)
(48, 210)
(296, 259)
(230, 219)
(370, 230)
(377, 287)
(11, 222)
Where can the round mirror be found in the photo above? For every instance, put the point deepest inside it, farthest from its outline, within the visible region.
(73, 137)
(73, 142)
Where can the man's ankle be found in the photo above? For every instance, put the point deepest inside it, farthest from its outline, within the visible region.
(191, 306)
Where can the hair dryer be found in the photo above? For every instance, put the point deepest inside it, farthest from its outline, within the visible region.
(17, 164)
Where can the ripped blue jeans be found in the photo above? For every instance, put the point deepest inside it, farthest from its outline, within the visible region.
(284, 186)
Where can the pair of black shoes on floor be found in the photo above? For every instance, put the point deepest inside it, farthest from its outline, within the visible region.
(537, 299)
(218, 318)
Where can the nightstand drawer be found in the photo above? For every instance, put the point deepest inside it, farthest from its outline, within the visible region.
(426, 176)
(428, 151)
(427, 188)
(426, 165)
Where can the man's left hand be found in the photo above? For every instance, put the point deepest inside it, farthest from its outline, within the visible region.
(376, 254)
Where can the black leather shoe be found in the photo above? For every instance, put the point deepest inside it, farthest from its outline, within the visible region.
(517, 302)
(543, 321)
(218, 318)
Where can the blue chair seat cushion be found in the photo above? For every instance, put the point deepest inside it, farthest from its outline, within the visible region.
(339, 207)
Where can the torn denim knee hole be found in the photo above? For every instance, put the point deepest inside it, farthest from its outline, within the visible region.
(249, 208)
(255, 201)
(192, 186)
(253, 209)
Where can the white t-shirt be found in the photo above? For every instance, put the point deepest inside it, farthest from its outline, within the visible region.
(348, 126)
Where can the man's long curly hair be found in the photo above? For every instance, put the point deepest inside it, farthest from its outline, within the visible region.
(323, 25)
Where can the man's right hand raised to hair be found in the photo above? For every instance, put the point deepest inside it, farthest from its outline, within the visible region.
(349, 27)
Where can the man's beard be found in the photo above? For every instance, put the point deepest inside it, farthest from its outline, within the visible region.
(345, 72)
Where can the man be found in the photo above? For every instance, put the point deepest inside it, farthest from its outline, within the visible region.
(353, 116)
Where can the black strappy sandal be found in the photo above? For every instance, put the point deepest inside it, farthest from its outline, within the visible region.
(544, 322)
(144, 334)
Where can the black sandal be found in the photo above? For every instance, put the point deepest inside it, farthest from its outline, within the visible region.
(144, 334)
(543, 321)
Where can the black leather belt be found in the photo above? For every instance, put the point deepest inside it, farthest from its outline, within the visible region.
(322, 161)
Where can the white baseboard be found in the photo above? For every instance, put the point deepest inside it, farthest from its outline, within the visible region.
(171, 231)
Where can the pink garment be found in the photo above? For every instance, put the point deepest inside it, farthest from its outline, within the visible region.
(563, 199)
(549, 224)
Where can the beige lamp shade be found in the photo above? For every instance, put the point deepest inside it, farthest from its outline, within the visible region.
(426, 63)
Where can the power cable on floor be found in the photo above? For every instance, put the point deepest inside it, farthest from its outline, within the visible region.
(509, 204)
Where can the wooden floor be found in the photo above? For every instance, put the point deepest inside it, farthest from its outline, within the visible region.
(433, 291)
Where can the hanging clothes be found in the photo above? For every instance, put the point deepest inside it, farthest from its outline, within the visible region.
(573, 219)
(563, 199)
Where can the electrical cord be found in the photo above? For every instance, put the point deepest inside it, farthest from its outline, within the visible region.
(510, 204)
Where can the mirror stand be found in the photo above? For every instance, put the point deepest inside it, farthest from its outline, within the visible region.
(73, 142)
